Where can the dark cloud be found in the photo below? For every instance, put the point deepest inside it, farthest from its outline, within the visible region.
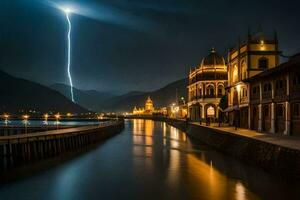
(123, 45)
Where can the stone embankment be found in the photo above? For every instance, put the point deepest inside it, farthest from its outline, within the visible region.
(277, 155)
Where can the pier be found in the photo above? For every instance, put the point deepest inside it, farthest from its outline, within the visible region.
(22, 148)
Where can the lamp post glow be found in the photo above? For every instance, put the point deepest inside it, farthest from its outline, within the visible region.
(57, 116)
(46, 116)
(67, 13)
(183, 100)
(6, 116)
(25, 121)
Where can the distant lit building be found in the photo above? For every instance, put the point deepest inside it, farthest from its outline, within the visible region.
(147, 110)
(257, 54)
(206, 87)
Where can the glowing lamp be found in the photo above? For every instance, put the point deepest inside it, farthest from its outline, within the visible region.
(46, 116)
(25, 117)
(6, 116)
(57, 116)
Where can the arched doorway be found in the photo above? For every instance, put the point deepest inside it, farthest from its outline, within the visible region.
(210, 112)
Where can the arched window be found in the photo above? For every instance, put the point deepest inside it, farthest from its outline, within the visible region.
(265, 87)
(244, 92)
(243, 69)
(263, 63)
(235, 74)
(210, 112)
(210, 90)
(220, 90)
(200, 92)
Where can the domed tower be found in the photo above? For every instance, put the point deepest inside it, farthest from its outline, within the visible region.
(213, 62)
(206, 87)
(149, 105)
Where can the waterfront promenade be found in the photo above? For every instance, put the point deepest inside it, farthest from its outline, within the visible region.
(291, 142)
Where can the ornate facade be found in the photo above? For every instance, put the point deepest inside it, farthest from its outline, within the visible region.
(275, 99)
(206, 87)
(257, 54)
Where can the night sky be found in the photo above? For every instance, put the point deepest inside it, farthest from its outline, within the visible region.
(124, 45)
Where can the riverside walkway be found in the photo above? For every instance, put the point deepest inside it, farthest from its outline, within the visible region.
(22, 148)
(291, 142)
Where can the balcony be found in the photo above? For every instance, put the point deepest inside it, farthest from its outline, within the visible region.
(280, 92)
(255, 96)
(209, 96)
(267, 95)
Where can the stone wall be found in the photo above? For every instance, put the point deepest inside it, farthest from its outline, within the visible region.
(278, 160)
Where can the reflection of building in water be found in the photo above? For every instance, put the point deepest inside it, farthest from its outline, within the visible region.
(143, 137)
(149, 109)
(207, 174)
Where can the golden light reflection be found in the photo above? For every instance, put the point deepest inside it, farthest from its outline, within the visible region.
(240, 191)
(173, 172)
(143, 137)
(218, 185)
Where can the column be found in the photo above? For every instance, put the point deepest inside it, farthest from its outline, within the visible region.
(203, 111)
(287, 108)
(287, 118)
(259, 117)
(272, 118)
(249, 117)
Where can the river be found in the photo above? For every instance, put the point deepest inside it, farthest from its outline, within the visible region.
(150, 160)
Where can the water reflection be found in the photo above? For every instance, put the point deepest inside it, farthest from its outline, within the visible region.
(151, 160)
(203, 179)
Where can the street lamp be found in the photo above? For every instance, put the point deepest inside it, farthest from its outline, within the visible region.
(25, 121)
(6, 116)
(46, 116)
(57, 116)
(183, 100)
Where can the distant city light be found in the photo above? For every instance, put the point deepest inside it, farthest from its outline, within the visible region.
(25, 117)
(46, 116)
(57, 116)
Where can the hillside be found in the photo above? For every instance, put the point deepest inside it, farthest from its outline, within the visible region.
(20, 94)
(161, 97)
(90, 99)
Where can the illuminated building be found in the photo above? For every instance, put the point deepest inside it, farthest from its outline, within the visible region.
(257, 54)
(147, 110)
(275, 99)
(206, 87)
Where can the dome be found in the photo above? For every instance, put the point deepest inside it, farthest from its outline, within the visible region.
(213, 59)
(149, 100)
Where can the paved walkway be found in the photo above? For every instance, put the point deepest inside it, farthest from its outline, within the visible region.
(285, 141)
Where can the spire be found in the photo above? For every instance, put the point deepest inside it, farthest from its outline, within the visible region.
(213, 50)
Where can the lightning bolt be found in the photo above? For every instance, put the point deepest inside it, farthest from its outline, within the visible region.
(69, 55)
